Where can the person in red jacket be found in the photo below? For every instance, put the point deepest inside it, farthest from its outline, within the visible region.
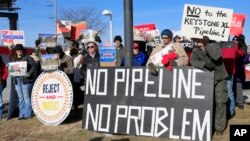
(3, 78)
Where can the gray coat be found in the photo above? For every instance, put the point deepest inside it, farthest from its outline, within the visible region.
(211, 54)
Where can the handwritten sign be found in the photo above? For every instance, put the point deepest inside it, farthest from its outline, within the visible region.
(199, 21)
(52, 97)
(10, 37)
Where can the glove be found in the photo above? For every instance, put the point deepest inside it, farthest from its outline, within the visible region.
(173, 63)
(152, 69)
(209, 66)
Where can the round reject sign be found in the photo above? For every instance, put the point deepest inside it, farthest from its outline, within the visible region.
(52, 97)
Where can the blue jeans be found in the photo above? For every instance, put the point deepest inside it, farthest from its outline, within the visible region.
(24, 92)
(1, 101)
(230, 81)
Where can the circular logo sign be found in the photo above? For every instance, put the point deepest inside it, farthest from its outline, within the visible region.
(52, 97)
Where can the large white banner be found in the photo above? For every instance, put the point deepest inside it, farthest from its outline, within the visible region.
(199, 21)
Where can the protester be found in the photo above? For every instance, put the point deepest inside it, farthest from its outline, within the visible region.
(91, 59)
(120, 51)
(98, 38)
(208, 56)
(177, 39)
(139, 58)
(167, 46)
(230, 51)
(49, 50)
(66, 63)
(78, 78)
(36, 55)
(240, 70)
(23, 84)
(3, 83)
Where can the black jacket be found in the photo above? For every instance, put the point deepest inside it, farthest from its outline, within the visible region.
(31, 69)
(90, 62)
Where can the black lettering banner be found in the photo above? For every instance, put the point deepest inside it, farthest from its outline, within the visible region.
(175, 104)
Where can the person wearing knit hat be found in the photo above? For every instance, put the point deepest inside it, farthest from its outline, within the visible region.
(163, 49)
(120, 52)
(23, 84)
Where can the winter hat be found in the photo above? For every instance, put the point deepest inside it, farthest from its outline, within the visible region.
(167, 32)
(57, 49)
(19, 47)
(119, 38)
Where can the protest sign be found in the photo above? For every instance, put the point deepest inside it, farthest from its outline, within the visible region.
(17, 68)
(153, 38)
(176, 104)
(145, 27)
(199, 21)
(237, 25)
(139, 31)
(47, 40)
(52, 97)
(64, 28)
(107, 54)
(49, 62)
(10, 37)
(76, 30)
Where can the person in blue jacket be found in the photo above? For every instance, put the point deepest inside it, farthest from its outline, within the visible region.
(139, 58)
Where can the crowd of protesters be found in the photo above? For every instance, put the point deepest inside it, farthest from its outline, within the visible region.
(226, 59)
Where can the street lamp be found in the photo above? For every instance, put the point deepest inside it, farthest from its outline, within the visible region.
(109, 13)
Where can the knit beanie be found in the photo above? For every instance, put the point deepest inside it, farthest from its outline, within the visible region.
(167, 32)
(119, 38)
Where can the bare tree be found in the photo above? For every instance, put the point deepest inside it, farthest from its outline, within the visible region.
(92, 16)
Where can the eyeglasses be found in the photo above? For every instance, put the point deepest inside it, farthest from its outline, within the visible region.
(91, 47)
(165, 37)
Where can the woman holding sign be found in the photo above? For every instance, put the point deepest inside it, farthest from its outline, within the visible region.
(23, 83)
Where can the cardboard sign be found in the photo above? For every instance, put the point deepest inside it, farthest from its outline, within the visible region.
(10, 37)
(153, 38)
(107, 54)
(199, 21)
(17, 68)
(47, 40)
(64, 28)
(52, 97)
(140, 31)
(176, 104)
(49, 62)
(237, 25)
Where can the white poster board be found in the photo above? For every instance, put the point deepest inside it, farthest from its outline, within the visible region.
(199, 21)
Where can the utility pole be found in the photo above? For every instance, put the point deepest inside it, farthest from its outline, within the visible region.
(128, 30)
